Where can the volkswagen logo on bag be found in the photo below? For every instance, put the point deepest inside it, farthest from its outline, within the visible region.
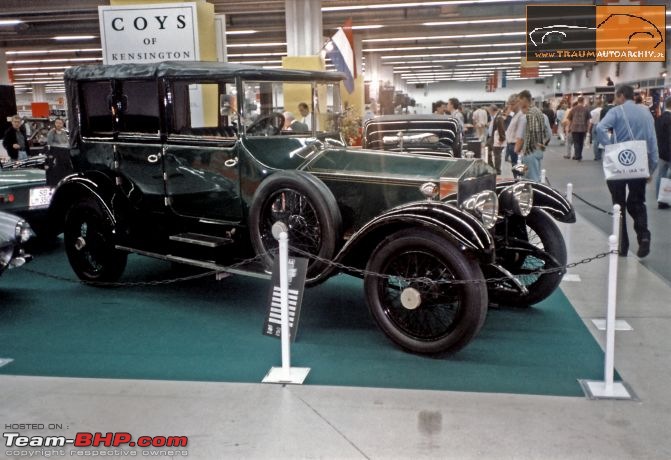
(627, 157)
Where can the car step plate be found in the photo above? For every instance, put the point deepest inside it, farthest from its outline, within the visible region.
(201, 240)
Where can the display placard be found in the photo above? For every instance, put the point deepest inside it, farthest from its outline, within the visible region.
(272, 326)
(149, 33)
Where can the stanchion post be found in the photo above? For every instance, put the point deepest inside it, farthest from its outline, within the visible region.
(616, 221)
(284, 304)
(567, 227)
(543, 176)
(610, 316)
(569, 192)
(286, 373)
(608, 389)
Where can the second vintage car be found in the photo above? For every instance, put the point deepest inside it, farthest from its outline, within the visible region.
(194, 162)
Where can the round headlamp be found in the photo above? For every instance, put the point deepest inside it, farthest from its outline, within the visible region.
(23, 232)
(485, 205)
(523, 198)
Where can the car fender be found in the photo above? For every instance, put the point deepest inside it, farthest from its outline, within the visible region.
(548, 199)
(93, 184)
(463, 230)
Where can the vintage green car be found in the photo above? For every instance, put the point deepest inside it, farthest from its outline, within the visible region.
(194, 162)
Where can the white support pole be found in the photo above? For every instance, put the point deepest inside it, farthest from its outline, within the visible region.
(608, 389)
(284, 304)
(616, 222)
(543, 176)
(567, 236)
(609, 365)
(286, 373)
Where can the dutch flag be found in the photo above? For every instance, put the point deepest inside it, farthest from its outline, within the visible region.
(341, 53)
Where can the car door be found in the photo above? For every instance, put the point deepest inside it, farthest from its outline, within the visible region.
(202, 178)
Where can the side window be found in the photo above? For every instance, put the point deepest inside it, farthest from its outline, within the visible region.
(141, 114)
(204, 109)
(96, 114)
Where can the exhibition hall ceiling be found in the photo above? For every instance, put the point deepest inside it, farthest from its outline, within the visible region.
(422, 41)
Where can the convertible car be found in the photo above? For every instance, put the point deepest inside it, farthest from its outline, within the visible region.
(191, 162)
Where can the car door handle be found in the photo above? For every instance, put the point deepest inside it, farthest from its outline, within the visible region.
(154, 157)
(231, 162)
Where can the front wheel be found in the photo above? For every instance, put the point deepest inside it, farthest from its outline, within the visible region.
(534, 243)
(420, 315)
(89, 244)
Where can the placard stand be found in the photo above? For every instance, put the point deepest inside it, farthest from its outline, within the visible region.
(567, 236)
(608, 389)
(286, 373)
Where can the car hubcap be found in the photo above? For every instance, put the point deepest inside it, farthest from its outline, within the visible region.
(411, 298)
(80, 243)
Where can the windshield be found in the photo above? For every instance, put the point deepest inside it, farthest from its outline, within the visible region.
(287, 108)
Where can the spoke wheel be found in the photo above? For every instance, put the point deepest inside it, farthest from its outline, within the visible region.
(534, 243)
(420, 315)
(308, 209)
(89, 244)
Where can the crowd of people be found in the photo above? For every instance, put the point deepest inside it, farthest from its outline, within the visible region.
(521, 132)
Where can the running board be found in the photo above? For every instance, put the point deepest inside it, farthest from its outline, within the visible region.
(196, 263)
(201, 240)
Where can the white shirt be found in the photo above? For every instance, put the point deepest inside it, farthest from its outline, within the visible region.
(511, 132)
(480, 118)
(595, 116)
(307, 120)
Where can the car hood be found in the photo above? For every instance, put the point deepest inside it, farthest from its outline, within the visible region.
(392, 165)
(14, 177)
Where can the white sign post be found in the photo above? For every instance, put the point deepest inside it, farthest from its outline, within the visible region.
(149, 33)
(286, 373)
(608, 388)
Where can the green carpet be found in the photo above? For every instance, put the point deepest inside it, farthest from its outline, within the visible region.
(206, 330)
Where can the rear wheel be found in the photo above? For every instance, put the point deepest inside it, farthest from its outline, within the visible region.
(420, 315)
(89, 244)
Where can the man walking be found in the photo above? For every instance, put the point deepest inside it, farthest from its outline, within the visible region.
(15, 140)
(630, 122)
(595, 118)
(663, 128)
(532, 135)
(578, 118)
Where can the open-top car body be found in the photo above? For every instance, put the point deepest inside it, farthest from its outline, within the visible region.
(525, 242)
(193, 163)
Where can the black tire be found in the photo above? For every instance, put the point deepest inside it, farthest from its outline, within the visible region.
(539, 230)
(449, 316)
(89, 243)
(306, 206)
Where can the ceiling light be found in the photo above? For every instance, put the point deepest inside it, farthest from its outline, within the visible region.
(39, 61)
(10, 22)
(406, 5)
(473, 21)
(256, 54)
(42, 68)
(498, 58)
(372, 26)
(80, 50)
(441, 37)
(74, 37)
(482, 53)
(272, 61)
(240, 32)
(254, 45)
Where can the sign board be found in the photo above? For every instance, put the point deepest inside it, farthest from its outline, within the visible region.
(272, 326)
(149, 33)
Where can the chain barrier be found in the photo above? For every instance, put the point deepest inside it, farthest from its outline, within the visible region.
(610, 213)
(147, 283)
(591, 205)
(425, 280)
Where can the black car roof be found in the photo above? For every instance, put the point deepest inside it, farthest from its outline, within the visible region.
(194, 69)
